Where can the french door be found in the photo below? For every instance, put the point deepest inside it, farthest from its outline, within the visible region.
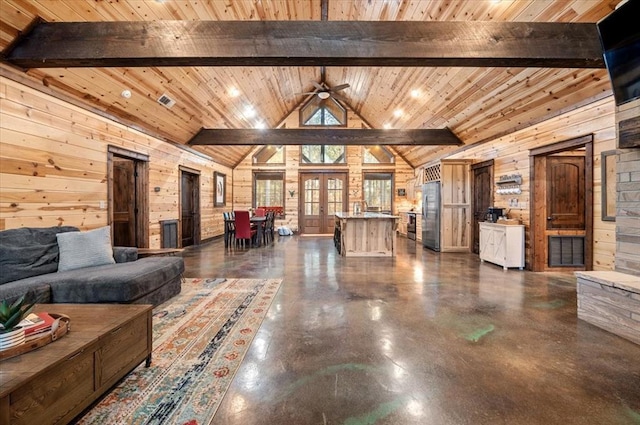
(322, 194)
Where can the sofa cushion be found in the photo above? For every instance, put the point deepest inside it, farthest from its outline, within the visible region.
(29, 251)
(36, 289)
(115, 283)
(85, 249)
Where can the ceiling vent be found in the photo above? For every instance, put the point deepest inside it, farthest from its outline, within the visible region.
(166, 101)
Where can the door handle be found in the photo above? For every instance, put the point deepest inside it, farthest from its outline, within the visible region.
(549, 218)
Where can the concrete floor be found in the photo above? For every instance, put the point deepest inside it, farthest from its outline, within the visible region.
(424, 338)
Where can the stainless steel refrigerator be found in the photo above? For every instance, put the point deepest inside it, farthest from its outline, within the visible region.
(431, 215)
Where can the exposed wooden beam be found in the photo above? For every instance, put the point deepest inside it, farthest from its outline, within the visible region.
(324, 136)
(307, 43)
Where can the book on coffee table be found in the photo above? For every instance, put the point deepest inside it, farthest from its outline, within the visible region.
(36, 324)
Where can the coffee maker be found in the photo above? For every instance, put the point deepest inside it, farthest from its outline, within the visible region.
(493, 214)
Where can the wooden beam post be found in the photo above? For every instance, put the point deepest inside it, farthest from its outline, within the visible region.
(307, 43)
(324, 136)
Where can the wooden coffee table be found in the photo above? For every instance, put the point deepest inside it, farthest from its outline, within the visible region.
(55, 383)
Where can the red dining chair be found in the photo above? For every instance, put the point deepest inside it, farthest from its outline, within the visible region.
(243, 227)
(260, 212)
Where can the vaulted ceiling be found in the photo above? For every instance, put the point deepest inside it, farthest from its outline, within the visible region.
(475, 103)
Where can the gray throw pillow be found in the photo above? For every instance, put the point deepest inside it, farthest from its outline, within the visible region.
(85, 249)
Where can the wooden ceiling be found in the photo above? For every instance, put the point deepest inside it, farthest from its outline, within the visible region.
(475, 103)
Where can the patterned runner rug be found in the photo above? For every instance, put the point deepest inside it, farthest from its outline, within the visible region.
(199, 340)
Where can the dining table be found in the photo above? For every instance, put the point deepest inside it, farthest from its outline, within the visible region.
(259, 222)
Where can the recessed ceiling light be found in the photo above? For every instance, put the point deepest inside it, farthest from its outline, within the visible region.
(495, 1)
(415, 93)
(126, 94)
(260, 125)
(386, 126)
(397, 113)
(234, 92)
(249, 112)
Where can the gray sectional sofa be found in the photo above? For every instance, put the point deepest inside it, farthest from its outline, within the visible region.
(29, 260)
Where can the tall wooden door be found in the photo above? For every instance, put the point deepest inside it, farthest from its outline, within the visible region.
(190, 209)
(322, 195)
(124, 202)
(561, 236)
(482, 197)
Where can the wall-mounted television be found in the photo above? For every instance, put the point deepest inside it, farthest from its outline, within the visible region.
(620, 38)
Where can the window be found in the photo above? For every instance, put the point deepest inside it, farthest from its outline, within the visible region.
(377, 155)
(323, 112)
(268, 189)
(378, 191)
(269, 155)
(322, 154)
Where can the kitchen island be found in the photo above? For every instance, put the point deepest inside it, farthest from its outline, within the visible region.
(366, 235)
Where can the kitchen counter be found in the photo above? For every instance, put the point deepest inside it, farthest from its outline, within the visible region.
(367, 234)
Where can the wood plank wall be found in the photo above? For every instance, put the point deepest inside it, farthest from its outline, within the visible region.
(53, 166)
(242, 189)
(511, 156)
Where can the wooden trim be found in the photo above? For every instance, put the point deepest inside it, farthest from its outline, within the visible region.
(323, 136)
(188, 169)
(141, 163)
(128, 153)
(309, 43)
(574, 143)
(487, 163)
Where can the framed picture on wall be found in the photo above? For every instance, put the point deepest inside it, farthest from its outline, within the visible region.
(219, 189)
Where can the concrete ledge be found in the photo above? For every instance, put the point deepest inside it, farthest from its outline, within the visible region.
(611, 301)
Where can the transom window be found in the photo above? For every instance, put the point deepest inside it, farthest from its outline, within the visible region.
(322, 154)
(378, 191)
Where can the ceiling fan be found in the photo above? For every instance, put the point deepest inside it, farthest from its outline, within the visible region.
(324, 91)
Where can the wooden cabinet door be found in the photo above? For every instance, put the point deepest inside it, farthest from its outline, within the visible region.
(499, 245)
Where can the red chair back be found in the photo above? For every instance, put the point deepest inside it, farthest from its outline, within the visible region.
(260, 212)
(243, 225)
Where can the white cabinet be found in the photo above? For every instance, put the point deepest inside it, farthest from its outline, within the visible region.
(502, 244)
